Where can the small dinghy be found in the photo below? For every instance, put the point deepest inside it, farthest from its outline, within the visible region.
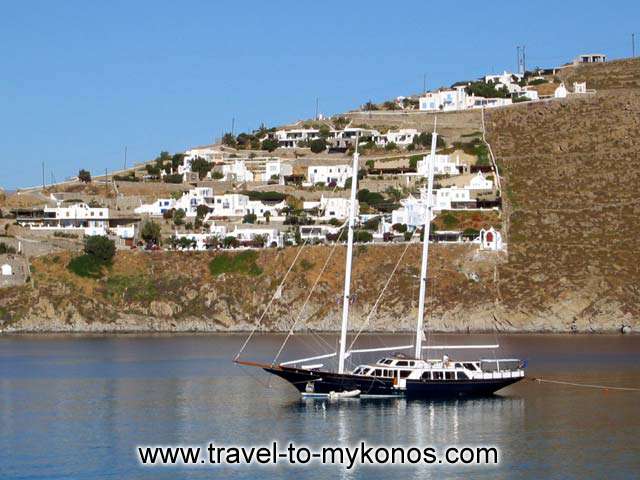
(346, 394)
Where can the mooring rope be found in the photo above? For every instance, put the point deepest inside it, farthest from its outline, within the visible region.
(585, 385)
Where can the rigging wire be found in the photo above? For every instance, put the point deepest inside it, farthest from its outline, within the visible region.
(275, 294)
(315, 283)
(375, 305)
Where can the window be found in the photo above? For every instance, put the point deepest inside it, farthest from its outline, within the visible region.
(402, 363)
(426, 376)
(449, 375)
(405, 373)
(469, 366)
(378, 372)
(462, 376)
(437, 375)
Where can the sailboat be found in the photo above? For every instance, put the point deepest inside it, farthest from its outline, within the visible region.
(396, 374)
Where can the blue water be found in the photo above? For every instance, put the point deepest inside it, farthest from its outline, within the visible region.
(77, 407)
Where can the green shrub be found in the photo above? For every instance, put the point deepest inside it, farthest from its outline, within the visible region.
(100, 247)
(86, 266)
(4, 248)
(243, 263)
(449, 220)
(318, 146)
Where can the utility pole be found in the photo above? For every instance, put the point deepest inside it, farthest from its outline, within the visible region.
(424, 84)
(317, 100)
(43, 175)
(633, 45)
(106, 184)
(125, 157)
(233, 125)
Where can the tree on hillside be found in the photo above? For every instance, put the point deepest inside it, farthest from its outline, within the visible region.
(269, 144)
(178, 216)
(84, 176)
(150, 232)
(249, 218)
(201, 166)
(100, 247)
(229, 140)
(319, 145)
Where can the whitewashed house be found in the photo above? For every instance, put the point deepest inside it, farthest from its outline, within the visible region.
(237, 172)
(248, 233)
(506, 80)
(445, 197)
(445, 100)
(76, 217)
(210, 154)
(188, 202)
(580, 87)
(561, 91)
(199, 241)
(157, 208)
(490, 239)
(402, 137)
(479, 182)
(331, 207)
(328, 174)
(239, 205)
(317, 233)
(294, 137)
(442, 165)
(7, 270)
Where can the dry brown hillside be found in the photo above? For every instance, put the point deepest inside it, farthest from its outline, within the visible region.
(572, 170)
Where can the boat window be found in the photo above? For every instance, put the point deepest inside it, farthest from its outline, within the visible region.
(449, 375)
(405, 373)
(469, 366)
(426, 376)
(462, 376)
(437, 375)
(412, 363)
(457, 365)
(402, 363)
(378, 372)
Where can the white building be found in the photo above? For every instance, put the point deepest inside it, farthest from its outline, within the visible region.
(402, 137)
(248, 233)
(479, 182)
(590, 58)
(331, 207)
(412, 210)
(294, 137)
(445, 100)
(329, 174)
(78, 217)
(442, 165)
(317, 232)
(157, 208)
(580, 87)
(561, 91)
(199, 241)
(239, 205)
(210, 154)
(506, 80)
(490, 239)
(7, 270)
(237, 172)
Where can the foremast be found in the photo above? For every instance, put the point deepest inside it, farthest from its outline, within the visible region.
(347, 271)
(425, 245)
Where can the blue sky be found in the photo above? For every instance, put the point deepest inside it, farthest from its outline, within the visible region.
(80, 80)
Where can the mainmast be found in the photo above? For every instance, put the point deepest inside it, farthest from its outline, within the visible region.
(347, 270)
(425, 245)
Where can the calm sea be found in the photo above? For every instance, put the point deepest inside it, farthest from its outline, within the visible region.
(77, 406)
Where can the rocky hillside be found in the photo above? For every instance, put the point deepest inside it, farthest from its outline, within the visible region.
(571, 172)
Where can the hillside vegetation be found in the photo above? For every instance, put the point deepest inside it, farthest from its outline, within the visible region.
(572, 170)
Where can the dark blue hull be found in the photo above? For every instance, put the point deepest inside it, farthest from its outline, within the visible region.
(316, 382)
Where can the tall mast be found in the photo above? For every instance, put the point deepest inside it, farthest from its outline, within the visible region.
(347, 270)
(425, 243)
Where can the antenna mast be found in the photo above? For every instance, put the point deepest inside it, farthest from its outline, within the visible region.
(347, 271)
(425, 243)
